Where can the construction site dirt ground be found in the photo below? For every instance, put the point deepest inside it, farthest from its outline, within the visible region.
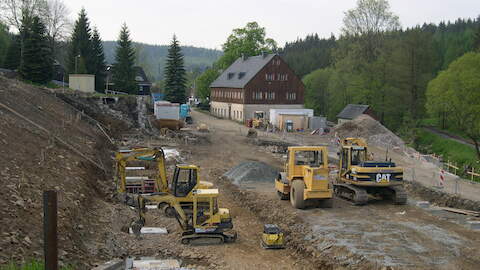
(383, 234)
(92, 223)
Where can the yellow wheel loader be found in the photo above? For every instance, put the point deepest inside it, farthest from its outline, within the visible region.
(185, 179)
(358, 176)
(306, 177)
(206, 224)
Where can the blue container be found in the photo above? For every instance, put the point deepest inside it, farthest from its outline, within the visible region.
(184, 111)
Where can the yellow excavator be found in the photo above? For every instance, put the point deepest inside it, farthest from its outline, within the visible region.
(306, 177)
(185, 179)
(206, 221)
(359, 176)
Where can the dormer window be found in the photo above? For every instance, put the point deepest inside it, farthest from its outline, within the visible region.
(230, 75)
(241, 75)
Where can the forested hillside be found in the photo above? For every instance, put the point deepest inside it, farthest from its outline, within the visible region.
(389, 70)
(152, 57)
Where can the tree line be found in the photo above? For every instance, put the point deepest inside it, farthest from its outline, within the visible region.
(43, 26)
(400, 73)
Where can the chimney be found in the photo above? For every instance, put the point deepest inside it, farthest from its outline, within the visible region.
(264, 54)
(243, 57)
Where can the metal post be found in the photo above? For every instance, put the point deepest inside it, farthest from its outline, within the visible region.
(50, 241)
(456, 185)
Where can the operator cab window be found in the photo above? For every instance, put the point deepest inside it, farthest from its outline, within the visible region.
(358, 155)
(186, 181)
(310, 158)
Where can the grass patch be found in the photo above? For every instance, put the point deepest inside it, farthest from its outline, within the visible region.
(427, 142)
(31, 265)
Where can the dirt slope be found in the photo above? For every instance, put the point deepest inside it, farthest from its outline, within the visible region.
(33, 160)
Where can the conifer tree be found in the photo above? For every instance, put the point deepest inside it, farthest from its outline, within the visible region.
(175, 81)
(99, 61)
(476, 44)
(123, 68)
(37, 62)
(80, 54)
(12, 57)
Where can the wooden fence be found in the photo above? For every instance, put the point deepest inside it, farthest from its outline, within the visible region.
(453, 167)
(473, 174)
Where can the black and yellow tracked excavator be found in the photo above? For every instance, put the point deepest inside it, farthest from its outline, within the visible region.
(185, 179)
(358, 176)
(205, 224)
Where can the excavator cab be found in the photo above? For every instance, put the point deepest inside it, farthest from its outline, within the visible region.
(185, 178)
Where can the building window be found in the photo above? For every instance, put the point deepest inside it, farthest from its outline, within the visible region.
(270, 77)
(271, 95)
(291, 96)
(257, 95)
(230, 75)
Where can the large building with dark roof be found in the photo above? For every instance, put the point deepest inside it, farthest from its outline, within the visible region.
(255, 84)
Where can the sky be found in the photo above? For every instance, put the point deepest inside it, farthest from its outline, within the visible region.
(208, 23)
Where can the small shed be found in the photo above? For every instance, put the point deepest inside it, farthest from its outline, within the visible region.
(273, 115)
(82, 82)
(351, 111)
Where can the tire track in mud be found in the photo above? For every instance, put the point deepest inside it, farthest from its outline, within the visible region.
(270, 211)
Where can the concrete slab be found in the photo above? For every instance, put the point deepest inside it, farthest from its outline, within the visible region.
(155, 264)
(474, 225)
(423, 204)
(151, 230)
(115, 264)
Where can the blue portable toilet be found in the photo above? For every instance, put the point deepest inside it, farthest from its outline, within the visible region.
(184, 111)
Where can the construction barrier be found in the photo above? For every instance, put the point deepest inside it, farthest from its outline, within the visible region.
(442, 178)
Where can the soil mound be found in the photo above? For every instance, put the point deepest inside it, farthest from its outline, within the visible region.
(252, 171)
(370, 129)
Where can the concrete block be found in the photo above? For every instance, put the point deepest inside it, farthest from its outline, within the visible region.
(151, 230)
(156, 264)
(474, 225)
(115, 264)
(423, 204)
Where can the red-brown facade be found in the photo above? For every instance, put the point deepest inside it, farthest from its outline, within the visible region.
(275, 83)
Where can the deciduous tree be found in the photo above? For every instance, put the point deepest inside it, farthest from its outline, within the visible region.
(249, 40)
(456, 91)
(204, 81)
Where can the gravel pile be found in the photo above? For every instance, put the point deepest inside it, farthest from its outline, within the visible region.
(252, 171)
(370, 129)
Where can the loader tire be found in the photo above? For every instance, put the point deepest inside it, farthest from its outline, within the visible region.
(296, 194)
